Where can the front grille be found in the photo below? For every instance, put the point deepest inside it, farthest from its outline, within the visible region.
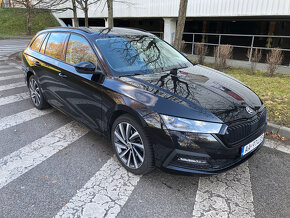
(238, 132)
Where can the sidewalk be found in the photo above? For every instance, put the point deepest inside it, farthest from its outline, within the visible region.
(242, 64)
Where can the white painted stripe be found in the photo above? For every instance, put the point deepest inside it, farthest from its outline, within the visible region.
(10, 70)
(11, 77)
(12, 86)
(26, 158)
(5, 67)
(225, 195)
(14, 98)
(104, 194)
(2, 48)
(277, 145)
(18, 66)
(22, 117)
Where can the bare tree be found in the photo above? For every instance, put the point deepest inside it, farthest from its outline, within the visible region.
(274, 59)
(29, 5)
(254, 58)
(180, 24)
(74, 9)
(110, 14)
(201, 50)
(84, 6)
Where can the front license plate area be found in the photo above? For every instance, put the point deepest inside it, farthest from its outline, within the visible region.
(252, 145)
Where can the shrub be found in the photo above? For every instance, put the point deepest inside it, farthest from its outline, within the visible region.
(201, 51)
(221, 54)
(255, 58)
(274, 59)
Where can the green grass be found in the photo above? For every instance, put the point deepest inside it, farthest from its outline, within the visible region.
(13, 22)
(274, 91)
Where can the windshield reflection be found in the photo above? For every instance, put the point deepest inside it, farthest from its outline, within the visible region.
(140, 54)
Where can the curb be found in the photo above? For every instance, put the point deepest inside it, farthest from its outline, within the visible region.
(280, 130)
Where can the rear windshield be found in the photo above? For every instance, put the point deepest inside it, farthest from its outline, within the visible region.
(143, 54)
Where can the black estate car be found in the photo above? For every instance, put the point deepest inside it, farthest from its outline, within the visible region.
(156, 107)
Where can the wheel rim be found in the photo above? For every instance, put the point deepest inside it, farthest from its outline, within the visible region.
(129, 145)
(34, 92)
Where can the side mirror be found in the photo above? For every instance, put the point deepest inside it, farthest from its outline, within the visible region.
(85, 67)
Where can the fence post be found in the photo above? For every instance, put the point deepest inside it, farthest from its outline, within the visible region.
(252, 44)
(192, 48)
(218, 55)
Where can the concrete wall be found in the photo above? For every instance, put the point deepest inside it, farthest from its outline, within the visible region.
(196, 8)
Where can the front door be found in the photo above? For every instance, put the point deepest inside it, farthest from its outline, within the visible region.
(82, 92)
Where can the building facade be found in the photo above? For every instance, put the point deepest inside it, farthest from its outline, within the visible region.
(242, 17)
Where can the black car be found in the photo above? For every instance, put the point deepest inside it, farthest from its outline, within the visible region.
(156, 107)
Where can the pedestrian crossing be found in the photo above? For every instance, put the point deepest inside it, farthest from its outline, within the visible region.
(107, 191)
(9, 47)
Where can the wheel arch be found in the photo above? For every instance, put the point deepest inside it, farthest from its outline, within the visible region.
(118, 111)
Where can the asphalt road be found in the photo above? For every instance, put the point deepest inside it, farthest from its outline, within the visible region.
(51, 166)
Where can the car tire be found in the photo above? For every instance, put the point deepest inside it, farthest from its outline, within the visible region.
(36, 95)
(127, 135)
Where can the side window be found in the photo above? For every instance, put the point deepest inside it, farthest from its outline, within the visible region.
(55, 45)
(79, 50)
(38, 42)
(44, 44)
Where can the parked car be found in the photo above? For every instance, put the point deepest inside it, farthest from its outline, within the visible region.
(156, 107)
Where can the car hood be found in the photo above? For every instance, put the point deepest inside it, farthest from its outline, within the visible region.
(196, 92)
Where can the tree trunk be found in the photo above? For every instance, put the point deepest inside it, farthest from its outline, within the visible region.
(110, 14)
(28, 21)
(180, 24)
(76, 21)
(86, 17)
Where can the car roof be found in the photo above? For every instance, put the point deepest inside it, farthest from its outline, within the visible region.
(101, 32)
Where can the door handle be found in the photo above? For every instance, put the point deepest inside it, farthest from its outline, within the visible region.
(62, 75)
(37, 63)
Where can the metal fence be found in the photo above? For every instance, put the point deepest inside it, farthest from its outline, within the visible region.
(240, 41)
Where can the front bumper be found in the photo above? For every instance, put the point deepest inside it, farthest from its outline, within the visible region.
(191, 153)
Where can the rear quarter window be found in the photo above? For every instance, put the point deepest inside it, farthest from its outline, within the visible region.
(38, 42)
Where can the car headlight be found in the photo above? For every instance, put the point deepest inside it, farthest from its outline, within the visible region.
(186, 125)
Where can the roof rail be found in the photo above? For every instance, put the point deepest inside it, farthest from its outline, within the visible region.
(84, 29)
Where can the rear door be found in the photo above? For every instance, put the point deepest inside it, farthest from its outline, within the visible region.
(51, 68)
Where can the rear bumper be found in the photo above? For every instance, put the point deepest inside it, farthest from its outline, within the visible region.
(205, 153)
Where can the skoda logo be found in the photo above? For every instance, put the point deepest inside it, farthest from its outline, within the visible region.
(249, 110)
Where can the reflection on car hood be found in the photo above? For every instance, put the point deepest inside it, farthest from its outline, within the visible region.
(197, 92)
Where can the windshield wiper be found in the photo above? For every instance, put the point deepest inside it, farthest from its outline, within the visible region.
(134, 74)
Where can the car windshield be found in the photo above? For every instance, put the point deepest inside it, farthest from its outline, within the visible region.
(133, 55)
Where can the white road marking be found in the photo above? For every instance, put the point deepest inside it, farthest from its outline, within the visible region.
(5, 67)
(277, 145)
(11, 77)
(12, 86)
(14, 98)
(104, 194)
(22, 117)
(21, 161)
(11, 69)
(225, 195)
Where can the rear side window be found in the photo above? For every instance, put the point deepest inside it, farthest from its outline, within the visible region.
(38, 42)
(55, 45)
(79, 50)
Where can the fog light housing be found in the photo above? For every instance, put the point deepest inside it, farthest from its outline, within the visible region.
(190, 160)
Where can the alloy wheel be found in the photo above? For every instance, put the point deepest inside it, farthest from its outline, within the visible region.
(34, 92)
(129, 145)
